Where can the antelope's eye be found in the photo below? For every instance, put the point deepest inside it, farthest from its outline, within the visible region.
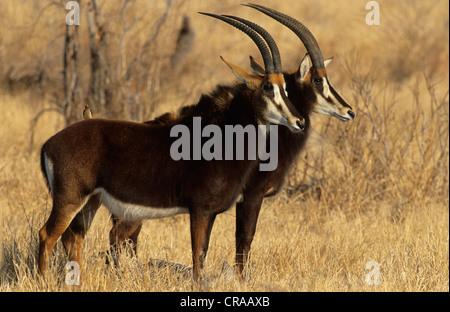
(268, 87)
(318, 81)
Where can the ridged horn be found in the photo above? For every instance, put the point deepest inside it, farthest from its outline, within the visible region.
(260, 43)
(267, 37)
(299, 29)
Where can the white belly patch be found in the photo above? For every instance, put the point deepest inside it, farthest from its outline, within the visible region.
(133, 212)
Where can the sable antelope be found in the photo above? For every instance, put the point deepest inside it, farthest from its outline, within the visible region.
(309, 90)
(87, 113)
(127, 166)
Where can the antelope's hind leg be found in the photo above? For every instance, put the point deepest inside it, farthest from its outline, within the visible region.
(65, 207)
(74, 235)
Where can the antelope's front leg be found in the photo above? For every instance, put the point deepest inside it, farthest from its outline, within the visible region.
(247, 213)
(201, 225)
(123, 233)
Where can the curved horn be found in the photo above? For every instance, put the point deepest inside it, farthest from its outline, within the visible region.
(299, 29)
(269, 39)
(262, 46)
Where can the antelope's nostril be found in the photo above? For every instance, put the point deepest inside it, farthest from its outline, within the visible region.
(300, 125)
(351, 114)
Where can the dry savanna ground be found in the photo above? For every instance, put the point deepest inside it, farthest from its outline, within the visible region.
(365, 207)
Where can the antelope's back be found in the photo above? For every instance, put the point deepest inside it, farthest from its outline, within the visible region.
(105, 153)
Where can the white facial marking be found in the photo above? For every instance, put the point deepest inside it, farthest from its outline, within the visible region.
(277, 95)
(277, 117)
(326, 88)
(323, 107)
(133, 212)
(274, 115)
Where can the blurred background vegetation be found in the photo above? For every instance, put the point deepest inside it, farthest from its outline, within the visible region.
(138, 59)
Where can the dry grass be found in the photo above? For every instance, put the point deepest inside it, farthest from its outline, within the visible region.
(378, 186)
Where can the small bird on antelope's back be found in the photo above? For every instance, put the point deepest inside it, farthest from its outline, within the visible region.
(87, 113)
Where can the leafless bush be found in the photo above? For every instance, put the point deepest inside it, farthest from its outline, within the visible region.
(127, 65)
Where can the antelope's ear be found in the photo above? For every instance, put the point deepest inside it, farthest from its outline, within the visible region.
(257, 68)
(326, 62)
(304, 68)
(252, 81)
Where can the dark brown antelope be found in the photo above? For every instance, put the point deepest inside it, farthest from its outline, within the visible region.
(128, 166)
(309, 90)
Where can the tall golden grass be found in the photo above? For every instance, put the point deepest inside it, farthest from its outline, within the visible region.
(374, 189)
